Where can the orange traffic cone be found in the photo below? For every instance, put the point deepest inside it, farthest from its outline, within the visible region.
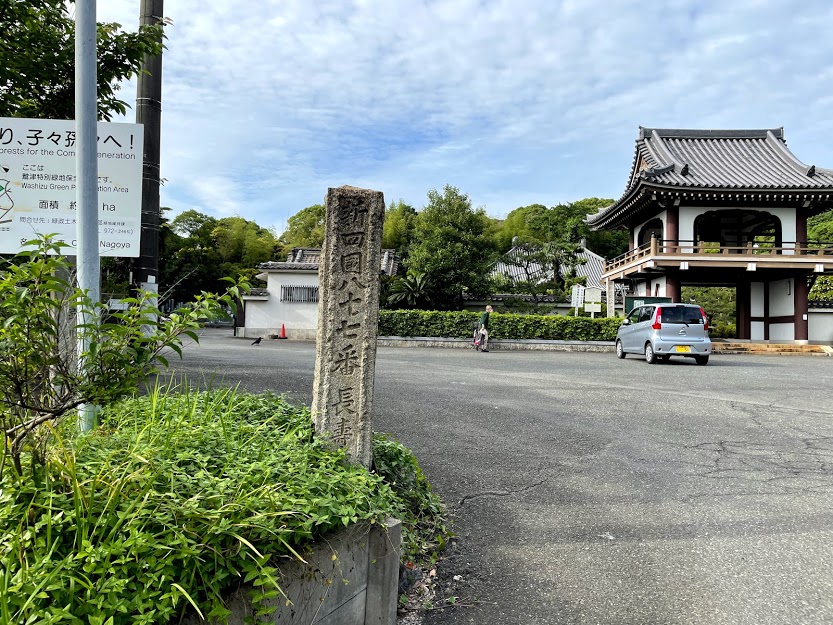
(283, 332)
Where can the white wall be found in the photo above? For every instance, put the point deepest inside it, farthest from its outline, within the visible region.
(781, 298)
(636, 230)
(781, 332)
(820, 322)
(756, 308)
(757, 331)
(267, 317)
(786, 215)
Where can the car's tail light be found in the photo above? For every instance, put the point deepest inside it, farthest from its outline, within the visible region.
(705, 319)
(657, 325)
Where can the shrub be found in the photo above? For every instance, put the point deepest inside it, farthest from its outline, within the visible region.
(503, 326)
(42, 379)
(175, 499)
(721, 330)
(424, 525)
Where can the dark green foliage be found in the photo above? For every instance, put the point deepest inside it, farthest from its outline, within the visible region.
(398, 231)
(37, 60)
(197, 251)
(304, 229)
(537, 224)
(723, 330)
(424, 524)
(719, 302)
(452, 247)
(178, 498)
(822, 290)
(503, 326)
(820, 227)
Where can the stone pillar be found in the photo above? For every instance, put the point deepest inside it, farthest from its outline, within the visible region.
(348, 317)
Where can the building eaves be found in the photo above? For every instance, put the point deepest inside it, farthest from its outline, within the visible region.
(712, 160)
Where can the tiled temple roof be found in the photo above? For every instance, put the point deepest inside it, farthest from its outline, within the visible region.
(592, 269)
(737, 161)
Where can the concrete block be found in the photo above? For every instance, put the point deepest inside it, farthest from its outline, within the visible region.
(384, 550)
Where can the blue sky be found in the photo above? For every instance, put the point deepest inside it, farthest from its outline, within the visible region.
(267, 104)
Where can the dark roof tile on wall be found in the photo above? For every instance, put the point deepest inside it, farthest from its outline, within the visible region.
(308, 259)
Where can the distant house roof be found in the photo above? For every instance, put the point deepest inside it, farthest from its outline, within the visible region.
(592, 269)
(675, 162)
(308, 259)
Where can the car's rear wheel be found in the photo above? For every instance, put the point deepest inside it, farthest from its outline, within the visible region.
(620, 350)
(701, 360)
(650, 356)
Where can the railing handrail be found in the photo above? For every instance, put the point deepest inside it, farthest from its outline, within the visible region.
(666, 247)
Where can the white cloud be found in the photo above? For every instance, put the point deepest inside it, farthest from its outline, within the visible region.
(266, 104)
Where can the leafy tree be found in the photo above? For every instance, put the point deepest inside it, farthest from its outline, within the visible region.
(189, 262)
(822, 290)
(197, 251)
(452, 247)
(190, 223)
(820, 227)
(37, 60)
(538, 223)
(547, 244)
(242, 246)
(400, 219)
(304, 229)
(516, 226)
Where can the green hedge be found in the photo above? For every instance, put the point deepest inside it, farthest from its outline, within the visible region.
(434, 323)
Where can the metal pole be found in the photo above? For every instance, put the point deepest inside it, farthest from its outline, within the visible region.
(86, 159)
(149, 113)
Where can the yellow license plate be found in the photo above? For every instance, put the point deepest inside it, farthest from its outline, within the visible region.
(683, 349)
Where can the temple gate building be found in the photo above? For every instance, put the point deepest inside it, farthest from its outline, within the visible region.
(724, 208)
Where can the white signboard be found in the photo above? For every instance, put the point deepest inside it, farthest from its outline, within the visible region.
(592, 294)
(37, 184)
(577, 298)
(592, 308)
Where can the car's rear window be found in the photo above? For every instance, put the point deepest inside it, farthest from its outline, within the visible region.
(681, 314)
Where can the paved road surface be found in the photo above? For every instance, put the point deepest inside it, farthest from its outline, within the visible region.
(595, 491)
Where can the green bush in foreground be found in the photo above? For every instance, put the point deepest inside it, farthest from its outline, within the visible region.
(434, 323)
(424, 525)
(174, 500)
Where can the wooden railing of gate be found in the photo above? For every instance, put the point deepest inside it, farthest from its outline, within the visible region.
(712, 250)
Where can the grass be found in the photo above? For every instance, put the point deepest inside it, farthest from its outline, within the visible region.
(180, 496)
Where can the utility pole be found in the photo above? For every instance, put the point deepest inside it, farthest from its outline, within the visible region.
(86, 169)
(149, 113)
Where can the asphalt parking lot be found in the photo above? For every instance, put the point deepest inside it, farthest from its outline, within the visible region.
(585, 489)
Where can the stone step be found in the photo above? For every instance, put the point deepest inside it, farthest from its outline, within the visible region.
(766, 348)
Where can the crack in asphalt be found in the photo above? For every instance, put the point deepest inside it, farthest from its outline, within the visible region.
(501, 493)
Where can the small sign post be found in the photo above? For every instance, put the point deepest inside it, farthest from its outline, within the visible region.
(577, 297)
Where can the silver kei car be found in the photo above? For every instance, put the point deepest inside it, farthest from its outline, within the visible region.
(659, 331)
